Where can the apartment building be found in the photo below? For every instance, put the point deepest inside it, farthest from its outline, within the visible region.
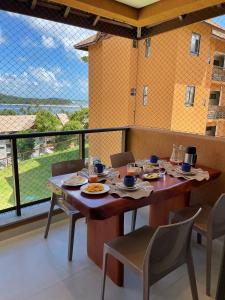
(174, 81)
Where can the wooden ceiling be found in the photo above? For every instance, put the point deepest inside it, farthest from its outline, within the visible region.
(117, 18)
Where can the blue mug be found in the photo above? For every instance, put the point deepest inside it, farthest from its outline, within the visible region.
(186, 167)
(153, 159)
(129, 181)
(99, 168)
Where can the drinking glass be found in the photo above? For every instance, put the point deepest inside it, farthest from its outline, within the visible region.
(174, 155)
(131, 170)
(113, 177)
(162, 170)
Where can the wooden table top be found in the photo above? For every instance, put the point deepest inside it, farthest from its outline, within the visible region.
(105, 205)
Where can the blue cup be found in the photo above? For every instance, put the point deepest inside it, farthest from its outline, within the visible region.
(154, 159)
(186, 167)
(99, 168)
(129, 181)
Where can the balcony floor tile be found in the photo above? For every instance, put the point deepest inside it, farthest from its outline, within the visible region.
(37, 269)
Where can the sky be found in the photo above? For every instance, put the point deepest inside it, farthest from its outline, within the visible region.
(38, 60)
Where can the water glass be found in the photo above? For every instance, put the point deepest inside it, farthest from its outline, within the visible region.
(113, 177)
(162, 169)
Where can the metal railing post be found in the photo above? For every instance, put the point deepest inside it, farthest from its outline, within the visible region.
(15, 171)
(82, 145)
(125, 139)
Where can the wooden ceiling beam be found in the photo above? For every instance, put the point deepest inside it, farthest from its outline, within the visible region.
(67, 11)
(185, 20)
(77, 18)
(105, 8)
(165, 10)
(33, 4)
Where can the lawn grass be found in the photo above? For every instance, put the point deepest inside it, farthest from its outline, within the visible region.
(33, 175)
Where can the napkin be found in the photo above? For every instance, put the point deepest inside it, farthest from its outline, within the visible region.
(175, 172)
(144, 191)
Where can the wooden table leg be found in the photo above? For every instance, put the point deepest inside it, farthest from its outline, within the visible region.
(159, 211)
(99, 232)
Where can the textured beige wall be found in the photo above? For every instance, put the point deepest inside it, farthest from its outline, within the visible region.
(145, 141)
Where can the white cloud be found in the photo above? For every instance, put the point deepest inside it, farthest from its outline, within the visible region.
(48, 41)
(34, 81)
(66, 35)
(2, 38)
(48, 77)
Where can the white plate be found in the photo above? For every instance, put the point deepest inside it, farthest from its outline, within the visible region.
(106, 189)
(191, 173)
(156, 176)
(121, 186)
(66, 182)
(105, 173)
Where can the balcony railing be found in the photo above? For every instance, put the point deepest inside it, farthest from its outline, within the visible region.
(218, 73)
(23, 178)
(216, 112)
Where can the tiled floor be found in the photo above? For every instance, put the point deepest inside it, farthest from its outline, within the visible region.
(37, 269)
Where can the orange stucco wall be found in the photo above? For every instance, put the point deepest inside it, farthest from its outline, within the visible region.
(158, 73)
(192, 70)
(111, 77)
(115, 67)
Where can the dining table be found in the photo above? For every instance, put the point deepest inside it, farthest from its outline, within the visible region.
(105, 212)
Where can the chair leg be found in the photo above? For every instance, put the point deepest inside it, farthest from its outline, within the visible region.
(146, 288)
(72, 224)
(191, 274)
(104, 270)
(50, 213)
(199, 238)
(133, 220)
(208, 265)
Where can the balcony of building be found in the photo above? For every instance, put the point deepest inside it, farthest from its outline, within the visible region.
(218, 72)
(135, 108)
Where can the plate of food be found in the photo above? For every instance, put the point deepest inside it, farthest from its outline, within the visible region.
(151, 176)
(75, 181)
(122, 186)
(95, 188)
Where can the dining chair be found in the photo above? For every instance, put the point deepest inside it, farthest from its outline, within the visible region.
(154, 253)
(119, 160)
(61, 168)
(210, 223)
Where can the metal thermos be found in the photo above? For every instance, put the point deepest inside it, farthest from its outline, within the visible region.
(190, 155)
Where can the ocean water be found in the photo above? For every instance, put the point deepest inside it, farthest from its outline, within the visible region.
(53, 108)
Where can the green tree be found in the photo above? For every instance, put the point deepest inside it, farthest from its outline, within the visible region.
(84, 59)
(7, 112)
(25, 146)
(46, 121)
(64, 141)
(80, 116)
(72, 125)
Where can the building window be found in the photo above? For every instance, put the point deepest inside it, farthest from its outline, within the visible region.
(190, 96)
(135, 43)
(195, 43)
(147, 47)
(145, 95)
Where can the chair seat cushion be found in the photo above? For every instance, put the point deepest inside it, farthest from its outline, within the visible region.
(132, 247)
(200, 224)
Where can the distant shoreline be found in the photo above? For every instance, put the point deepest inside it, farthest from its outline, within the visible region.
(45, 105)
